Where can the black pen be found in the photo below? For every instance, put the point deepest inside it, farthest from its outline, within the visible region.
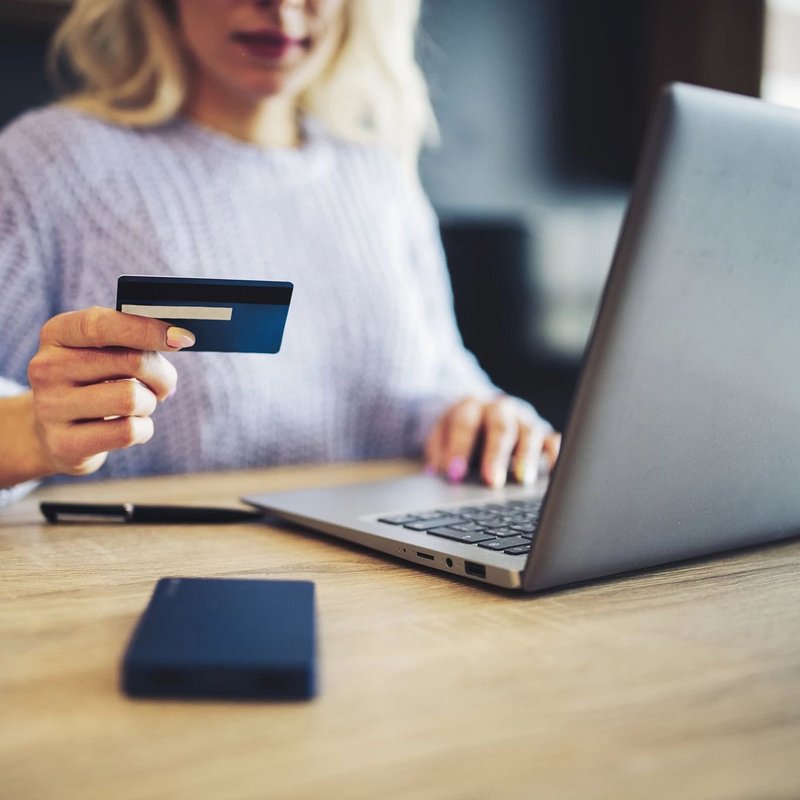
(128, 512)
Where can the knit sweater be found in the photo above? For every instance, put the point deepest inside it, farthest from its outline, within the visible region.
(371, 353)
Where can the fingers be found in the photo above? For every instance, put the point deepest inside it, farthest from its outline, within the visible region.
(85, 366)
(79, 425)
(501, 421)
(125, 398)
(434, 447)
(96, 379)
(528, 452)
(513, 434)
(103, 327)
(551, 449)
(462, 424)
(80, 448)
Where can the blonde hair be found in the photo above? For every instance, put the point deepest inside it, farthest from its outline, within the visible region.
(130, 70)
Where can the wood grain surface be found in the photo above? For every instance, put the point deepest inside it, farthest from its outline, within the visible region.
(674, 683)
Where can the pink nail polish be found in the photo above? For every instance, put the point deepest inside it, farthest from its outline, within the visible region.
(457, 469)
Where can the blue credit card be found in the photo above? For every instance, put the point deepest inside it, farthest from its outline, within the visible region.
(230, 316)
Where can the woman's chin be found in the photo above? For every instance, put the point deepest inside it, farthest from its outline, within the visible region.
(272, 84)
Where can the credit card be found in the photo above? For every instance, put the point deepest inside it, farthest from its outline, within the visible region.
(230, 316)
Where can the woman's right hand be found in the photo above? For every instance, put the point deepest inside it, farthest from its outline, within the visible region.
(96, 379)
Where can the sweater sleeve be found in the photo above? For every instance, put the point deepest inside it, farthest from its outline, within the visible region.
(458, 373)
(24, 304)
(27, 271)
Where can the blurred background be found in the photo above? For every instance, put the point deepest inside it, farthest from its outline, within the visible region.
(542, 107)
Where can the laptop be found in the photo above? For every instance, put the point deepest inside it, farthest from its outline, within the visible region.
(684, 435)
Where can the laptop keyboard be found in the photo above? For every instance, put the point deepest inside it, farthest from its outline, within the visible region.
(503, 527)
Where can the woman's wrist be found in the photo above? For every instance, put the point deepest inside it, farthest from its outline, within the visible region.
(22, 453)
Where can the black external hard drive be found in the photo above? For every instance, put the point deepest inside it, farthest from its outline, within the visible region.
(224, 638)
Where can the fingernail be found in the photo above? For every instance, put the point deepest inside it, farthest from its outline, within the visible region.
(457, 468)
(429, 469)
(498, 478)
(179, 337)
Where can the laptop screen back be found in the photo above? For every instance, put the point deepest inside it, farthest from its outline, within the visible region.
(684, 437)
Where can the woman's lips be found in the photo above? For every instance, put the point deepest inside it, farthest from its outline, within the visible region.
(268, 45)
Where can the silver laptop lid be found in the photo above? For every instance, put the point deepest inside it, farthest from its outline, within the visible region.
(684, 437)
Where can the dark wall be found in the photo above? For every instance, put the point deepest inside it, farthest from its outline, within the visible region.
(616, 56)
(542, 106)
(533, 94)
(25, 28)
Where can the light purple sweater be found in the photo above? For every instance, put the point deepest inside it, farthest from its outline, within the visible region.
(371, 353)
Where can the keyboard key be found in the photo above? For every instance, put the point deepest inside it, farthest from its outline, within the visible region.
(505, 520)
(466, 537)
(482, 516)
(399, 519)
(502, 532)
(506, 544)
(508, 520)
(526, 527)
(522, 550)
(436, 522)
(493, 544)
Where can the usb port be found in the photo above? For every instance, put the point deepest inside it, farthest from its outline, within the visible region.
(425, 555)
(478, 570)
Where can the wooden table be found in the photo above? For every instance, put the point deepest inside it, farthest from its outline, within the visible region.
(682, 682)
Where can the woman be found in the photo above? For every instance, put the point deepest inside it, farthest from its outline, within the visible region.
(239, 139)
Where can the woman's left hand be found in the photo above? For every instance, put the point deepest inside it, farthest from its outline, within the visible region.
(515, 439)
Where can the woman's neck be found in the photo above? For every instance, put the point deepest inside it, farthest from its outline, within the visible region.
(267, 122)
